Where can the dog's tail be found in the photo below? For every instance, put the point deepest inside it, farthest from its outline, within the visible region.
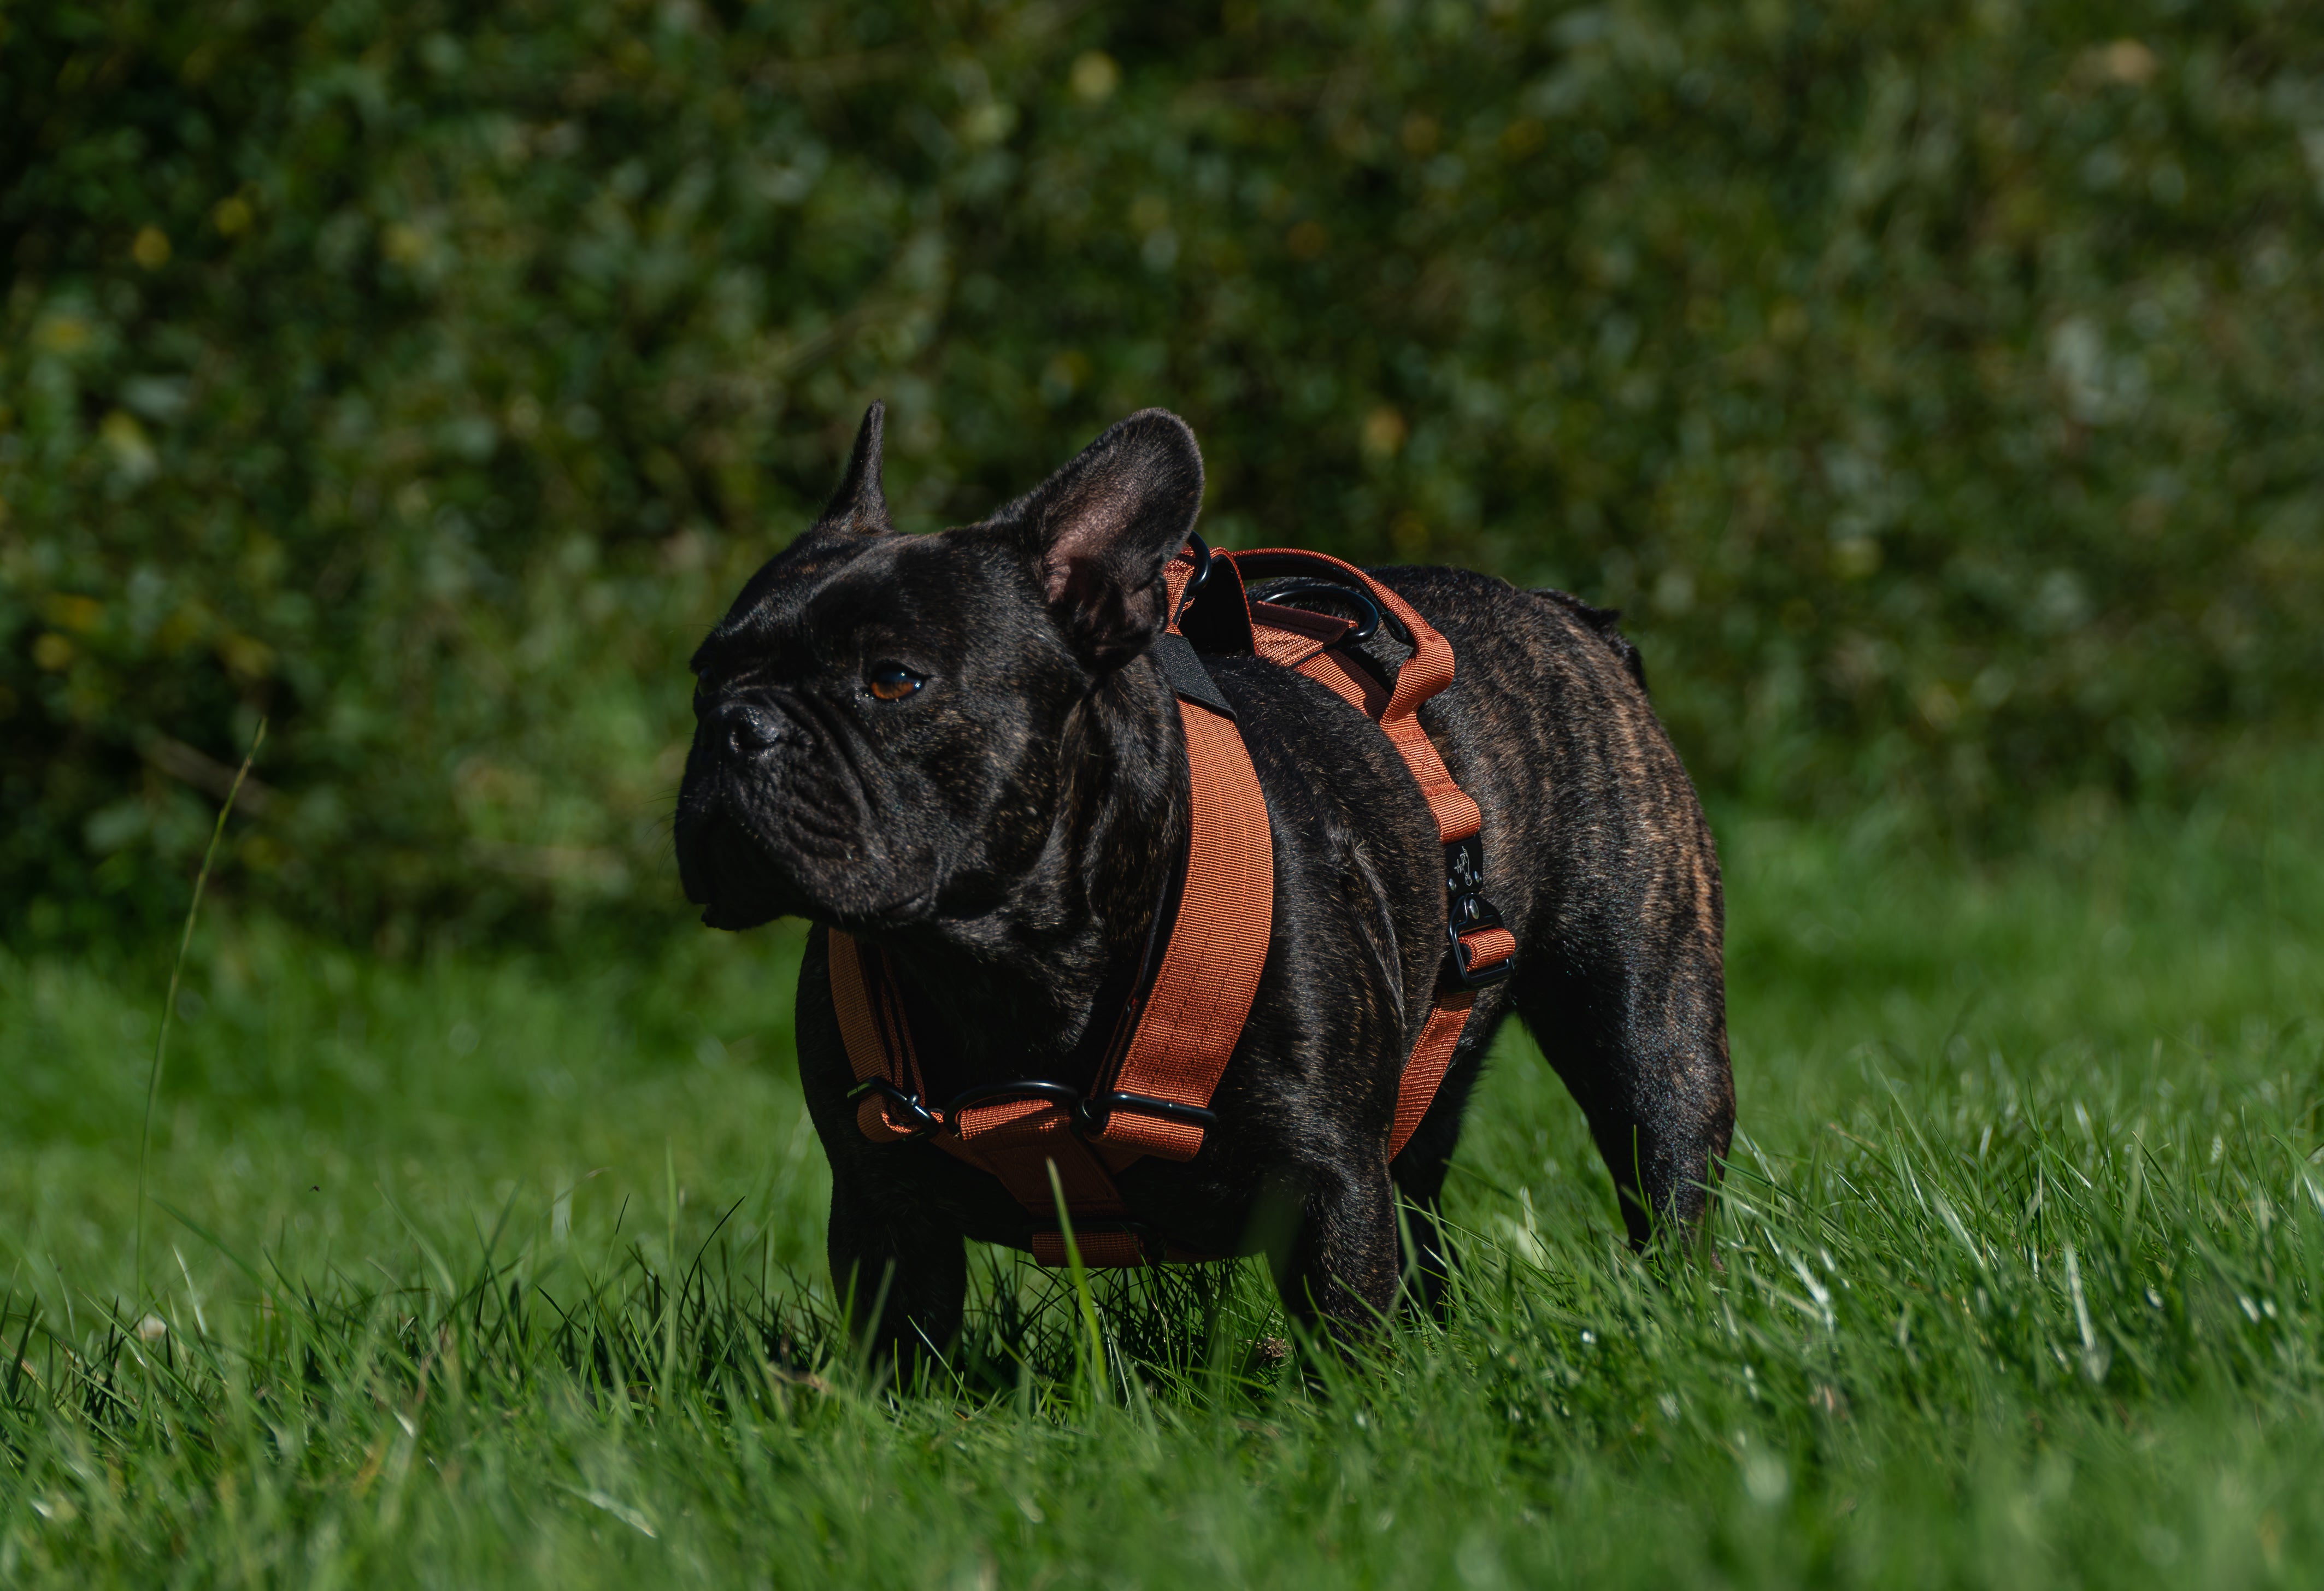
(1599, 622)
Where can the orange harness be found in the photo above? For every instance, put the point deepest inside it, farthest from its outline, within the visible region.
(1165, 1055)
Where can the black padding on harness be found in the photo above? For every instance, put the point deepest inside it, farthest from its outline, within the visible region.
(1186, 674)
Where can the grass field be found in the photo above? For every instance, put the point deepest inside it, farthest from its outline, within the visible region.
(498, 1270)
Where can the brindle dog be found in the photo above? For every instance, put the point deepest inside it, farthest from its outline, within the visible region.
(958, 748)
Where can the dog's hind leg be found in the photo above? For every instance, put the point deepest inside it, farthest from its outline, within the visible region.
(1640, 1040)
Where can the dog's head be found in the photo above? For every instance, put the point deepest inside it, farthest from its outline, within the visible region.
(878, 717)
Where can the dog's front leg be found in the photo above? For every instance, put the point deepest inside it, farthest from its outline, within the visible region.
(1335, 1259)
(901, 1276)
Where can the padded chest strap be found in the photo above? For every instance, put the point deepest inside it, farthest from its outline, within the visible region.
(1188, 1026)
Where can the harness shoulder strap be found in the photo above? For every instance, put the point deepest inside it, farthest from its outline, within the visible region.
(1427, 671)
(1190, 1023)
(877, 1039)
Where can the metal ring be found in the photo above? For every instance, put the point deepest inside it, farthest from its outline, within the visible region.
(1365, 626)
(926, 1123)
(1202, 573)
(1282, 562)
(1056, 1093)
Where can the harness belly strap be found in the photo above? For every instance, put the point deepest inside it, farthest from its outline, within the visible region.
(1182, 1035)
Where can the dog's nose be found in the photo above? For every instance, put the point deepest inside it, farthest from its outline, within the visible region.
(742, 729)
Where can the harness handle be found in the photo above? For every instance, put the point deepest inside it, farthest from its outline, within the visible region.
(1335, 577)
(1365, 628)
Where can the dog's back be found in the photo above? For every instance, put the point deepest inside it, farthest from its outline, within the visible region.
(1599, 856)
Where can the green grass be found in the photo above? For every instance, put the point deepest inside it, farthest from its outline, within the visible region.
(506, 1270)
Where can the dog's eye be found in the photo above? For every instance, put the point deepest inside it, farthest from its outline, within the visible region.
(892, 682)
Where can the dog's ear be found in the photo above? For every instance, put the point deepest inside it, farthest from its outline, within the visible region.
(859, 507)
(1100, 531)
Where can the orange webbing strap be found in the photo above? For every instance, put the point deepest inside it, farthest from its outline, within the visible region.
(878, 1040)
(1297, 639)
(1176, 574)
(1014, 1140)
(1427, 671)
(1288, 637)
(1348, 681)
(1191, 1020)
(1017, 1140)
(1432, 1052)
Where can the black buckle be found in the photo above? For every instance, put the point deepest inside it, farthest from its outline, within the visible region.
(1466, 910)
(1462, 973)
(925, 1123)
(1464, 867)
(1089, 1114)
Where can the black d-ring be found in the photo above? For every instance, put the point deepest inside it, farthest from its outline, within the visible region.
(1365, 626)
(1056, 1093)
(1269, 565)
(1202, 573)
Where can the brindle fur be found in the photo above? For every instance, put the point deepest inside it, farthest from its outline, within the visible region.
(1004, 833)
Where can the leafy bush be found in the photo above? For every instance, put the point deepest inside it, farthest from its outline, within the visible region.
(1937, 385)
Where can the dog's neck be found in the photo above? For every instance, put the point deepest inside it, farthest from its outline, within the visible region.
(1017, 985)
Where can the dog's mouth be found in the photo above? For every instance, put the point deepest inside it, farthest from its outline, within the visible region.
(743, 876)
(730, 873)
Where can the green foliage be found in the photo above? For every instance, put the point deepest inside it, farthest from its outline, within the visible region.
(2022, 1254)
(1936, 384)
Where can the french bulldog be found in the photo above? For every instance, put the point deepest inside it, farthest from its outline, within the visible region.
(961, 750)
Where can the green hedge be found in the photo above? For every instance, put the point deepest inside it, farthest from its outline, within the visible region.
(1938, 385)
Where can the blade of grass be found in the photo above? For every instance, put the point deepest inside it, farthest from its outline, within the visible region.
(213, 1240)
(170, 1001)
(1095, 1345)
